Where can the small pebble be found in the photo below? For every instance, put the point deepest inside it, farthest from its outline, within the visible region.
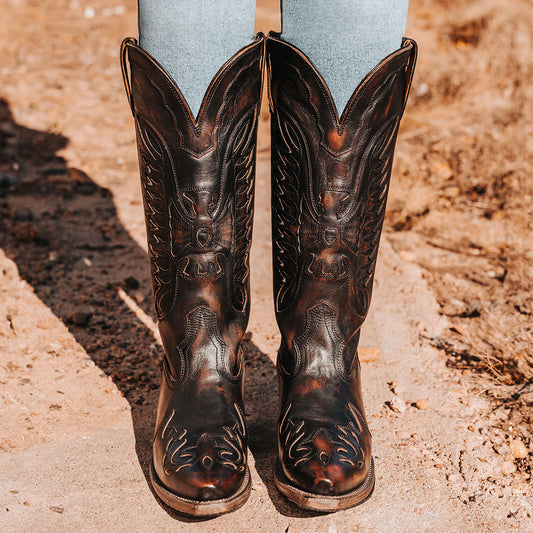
(81, 318)
(7, 180)
(453, 307)
(397, 405)
(422, 405)
(422, 90)
(56, 509)
(132, 283)
(518, 449)
(54, 348)
(369, 355)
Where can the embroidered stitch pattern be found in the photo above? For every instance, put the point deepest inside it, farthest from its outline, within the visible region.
(340, 444)
(182, 451)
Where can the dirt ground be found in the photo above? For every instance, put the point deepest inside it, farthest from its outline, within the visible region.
(449, 399)
(462, 203)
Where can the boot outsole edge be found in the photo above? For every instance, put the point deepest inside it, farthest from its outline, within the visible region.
(197, 509)
(323, 503)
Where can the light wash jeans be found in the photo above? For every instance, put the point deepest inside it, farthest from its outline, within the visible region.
(344, 38)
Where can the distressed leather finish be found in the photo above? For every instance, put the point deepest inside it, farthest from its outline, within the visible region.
(197, 180)
(330, 178)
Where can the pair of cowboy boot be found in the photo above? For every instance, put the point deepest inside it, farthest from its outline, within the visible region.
(330, 177)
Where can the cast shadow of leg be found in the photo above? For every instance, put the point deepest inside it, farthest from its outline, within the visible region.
(62, 231)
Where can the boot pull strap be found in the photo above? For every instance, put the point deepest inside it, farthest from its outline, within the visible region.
(125, 72)
(409, 70)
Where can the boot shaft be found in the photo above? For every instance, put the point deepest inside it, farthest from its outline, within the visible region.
(197, 180)
(330, 178)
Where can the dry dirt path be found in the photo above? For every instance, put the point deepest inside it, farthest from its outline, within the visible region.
(75, 428)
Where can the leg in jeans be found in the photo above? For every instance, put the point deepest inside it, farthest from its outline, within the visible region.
(192, 39)
(197, 180)
(330, 178)
(345, 39)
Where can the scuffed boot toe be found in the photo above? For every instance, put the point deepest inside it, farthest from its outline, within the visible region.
(201, 475)
(324, 467)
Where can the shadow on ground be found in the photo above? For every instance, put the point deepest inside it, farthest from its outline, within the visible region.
(62, 231)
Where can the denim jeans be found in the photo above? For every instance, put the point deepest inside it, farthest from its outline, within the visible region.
(344, 38)
(192, 39)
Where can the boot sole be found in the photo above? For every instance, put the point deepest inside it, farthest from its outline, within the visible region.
(196, 508)
(323, 503)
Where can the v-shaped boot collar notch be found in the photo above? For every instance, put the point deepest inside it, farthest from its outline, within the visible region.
(132, 51)
(404, 58)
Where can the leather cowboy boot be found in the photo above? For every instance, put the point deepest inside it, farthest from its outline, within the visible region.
(197, 180)
(330, 178)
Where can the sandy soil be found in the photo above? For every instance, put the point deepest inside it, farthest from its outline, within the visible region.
(447, 400)
(462, 203)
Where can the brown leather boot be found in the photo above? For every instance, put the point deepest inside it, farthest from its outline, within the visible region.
(330, 178)
(197, 181)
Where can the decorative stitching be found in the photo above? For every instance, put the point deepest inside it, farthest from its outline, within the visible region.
(368, 110)
(342, 443)
(203, 321)
(360, 91)
(153, 153)
(372, 215)
(187, 235)
(180, 452)
(297, 235)
(325, 316)
(196, 126)
(286, 156)
(243, 165)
